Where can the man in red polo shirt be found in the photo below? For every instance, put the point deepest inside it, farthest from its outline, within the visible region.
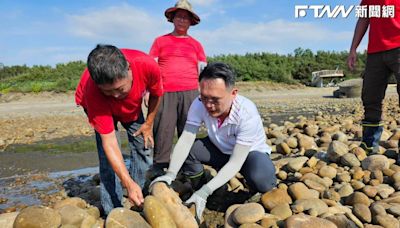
(383, 19)
(111, 91)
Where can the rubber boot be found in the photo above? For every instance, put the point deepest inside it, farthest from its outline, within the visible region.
(371, 136)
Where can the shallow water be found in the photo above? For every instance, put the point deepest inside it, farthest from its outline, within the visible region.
(29, 189)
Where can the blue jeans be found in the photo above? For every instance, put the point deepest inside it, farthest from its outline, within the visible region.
(140, 161)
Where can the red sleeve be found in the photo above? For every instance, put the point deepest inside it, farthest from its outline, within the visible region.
(154, 82)
(98, 109)
(364, 2)
(201, 55)
(80, 87)
(154, 50)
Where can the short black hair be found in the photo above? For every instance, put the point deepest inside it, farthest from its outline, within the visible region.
(217, 70)
(106, 63)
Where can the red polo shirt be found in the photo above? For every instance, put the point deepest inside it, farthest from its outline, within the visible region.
(178, 59)
(384, 33)
(103, 110)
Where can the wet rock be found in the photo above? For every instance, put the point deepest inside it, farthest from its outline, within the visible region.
(362, 212)
(336, 149)
(248, 213)
(37, 216)
(306, 221)
(125, 218)
(156, 214)
(72, 215)
(275, 197)
(375, 162)
(350, 160)
(387, 221)
(7, 219)
(282, 211)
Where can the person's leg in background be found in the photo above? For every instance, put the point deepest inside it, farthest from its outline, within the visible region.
(373, 92)
(164, 131)
(185, 99)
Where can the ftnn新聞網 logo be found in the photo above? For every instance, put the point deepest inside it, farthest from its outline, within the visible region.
(363, 11)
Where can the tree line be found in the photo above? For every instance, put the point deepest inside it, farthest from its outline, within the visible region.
(291, 68)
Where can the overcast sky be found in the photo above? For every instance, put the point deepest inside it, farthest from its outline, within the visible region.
(47, 32)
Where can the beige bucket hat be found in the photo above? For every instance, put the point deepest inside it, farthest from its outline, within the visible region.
(185, 5)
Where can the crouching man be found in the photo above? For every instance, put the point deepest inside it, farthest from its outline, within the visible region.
(235, 141)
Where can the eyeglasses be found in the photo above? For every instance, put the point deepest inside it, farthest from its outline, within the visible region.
(211, 100)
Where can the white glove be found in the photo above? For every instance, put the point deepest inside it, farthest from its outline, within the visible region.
(167, 178)
(199, 198)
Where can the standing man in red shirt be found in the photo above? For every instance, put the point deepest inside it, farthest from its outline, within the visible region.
(110, 91)
(181, 58)
(383, 19)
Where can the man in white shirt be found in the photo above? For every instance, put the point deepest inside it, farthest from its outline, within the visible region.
(235, 141)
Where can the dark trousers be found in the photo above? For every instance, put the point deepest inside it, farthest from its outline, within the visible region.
(377, 72)
(172, 113)
(258, 169)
